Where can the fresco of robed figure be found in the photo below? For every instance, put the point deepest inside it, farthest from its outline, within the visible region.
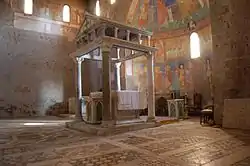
(164, 14)
(181, 73)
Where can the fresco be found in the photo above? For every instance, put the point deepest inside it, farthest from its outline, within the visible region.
(173, 67)
(164, 15)
(160, 54)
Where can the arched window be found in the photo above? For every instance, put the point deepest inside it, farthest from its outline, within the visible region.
(195, 45)
(112, 2)
(28, 6)
(66, 13)
(97, 8)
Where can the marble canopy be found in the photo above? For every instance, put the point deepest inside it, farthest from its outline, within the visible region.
(95, 40)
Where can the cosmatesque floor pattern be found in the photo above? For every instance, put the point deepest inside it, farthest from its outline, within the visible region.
(181, 144)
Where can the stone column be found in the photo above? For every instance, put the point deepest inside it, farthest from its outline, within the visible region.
(118, 75)
(106, 72)
(151, 87)
(123, 70)
(139, 39)
(78, 113)
(116, 32)
(118, 70)
(128, 35)
(231, 50)
(149, 41)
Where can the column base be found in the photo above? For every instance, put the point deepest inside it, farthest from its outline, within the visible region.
(109, 123)
(151, 119)
(78, 119)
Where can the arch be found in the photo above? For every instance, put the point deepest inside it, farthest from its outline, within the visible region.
(98, 8)
(28, 6)
(66, 13)
(195, 45)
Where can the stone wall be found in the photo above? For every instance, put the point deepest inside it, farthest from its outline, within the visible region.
(231, 62)
(236, 113)
(35, 69)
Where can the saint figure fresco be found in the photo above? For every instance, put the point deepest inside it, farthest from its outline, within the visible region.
(181, 76)
(168, 79)
(143, 17)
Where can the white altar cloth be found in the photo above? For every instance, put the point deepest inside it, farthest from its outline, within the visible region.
(131, 100)
(127, 100)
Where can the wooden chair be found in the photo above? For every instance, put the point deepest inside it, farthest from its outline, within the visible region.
(207, 114)
(161, 107)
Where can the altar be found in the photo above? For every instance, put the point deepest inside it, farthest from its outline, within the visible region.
(101, 39)
(126, 104)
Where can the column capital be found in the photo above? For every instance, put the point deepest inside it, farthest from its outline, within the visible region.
(78, 60)
(118, 65)
(106, 47)
(150, 53)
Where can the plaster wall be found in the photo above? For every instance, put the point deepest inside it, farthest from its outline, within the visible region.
(231, 63)
(35, 69)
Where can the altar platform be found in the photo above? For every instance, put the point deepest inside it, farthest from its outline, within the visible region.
(121, 126)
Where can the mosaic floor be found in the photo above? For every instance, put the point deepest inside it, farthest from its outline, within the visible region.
(180, 144)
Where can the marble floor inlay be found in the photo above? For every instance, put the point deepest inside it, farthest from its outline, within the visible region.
(181, 144)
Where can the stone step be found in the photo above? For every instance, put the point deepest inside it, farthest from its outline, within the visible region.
(111, 130)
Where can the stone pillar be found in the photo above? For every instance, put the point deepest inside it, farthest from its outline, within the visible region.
(106, 76)
(231, 50)
(139, 39)
(149, 41)
(128, 35)
(118, 75)
(151, 87)
(123, 70)
(116, 32)
(118, 71)
(78, 113)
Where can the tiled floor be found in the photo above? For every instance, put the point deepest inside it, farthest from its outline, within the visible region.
(184, 144)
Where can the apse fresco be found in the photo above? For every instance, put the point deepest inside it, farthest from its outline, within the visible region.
(164, 15)
(173, 67)
(171, 76)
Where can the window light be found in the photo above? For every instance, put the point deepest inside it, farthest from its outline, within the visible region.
(97, 8)
(28, 6)
(66, 13)
(194, 45)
